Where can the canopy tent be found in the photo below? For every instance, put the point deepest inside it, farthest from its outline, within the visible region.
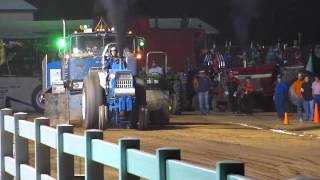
(37, 29)
(16, 5)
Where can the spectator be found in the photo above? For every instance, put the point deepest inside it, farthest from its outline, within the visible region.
(296, 58)
(254, 57)
(155, 69)
(280, 97)
(240, 100)
(243, 58)
(190, 87)
(228, 57)
(297, 85)
(208, 58)
(271, 56)
(316, 90)
(202, 86)
(306, 91)
(214, 93)
(232, 84)
(248, 95)
(316, 60)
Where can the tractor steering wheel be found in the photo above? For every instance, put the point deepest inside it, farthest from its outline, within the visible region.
(155, 74)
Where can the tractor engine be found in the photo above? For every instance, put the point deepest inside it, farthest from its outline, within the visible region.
(120, 90)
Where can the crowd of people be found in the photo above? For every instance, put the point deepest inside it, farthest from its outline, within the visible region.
(215, 73)
(305, 89)
(218, 58)
(306, 94)
(240, 95)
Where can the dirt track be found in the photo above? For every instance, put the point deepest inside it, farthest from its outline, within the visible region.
(207, 139)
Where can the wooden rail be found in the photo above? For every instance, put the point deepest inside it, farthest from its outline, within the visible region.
(125, 156)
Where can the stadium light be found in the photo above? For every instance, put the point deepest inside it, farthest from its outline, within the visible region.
(141, 42)
(61, 43)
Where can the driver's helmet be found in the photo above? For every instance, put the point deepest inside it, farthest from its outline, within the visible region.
(113, 49)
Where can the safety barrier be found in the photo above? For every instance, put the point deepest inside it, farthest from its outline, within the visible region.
(16, 132)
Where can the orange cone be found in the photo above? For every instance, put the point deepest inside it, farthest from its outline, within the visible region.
(286, 120)
(316, 114)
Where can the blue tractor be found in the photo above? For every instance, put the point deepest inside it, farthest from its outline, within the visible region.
(109, 93)
(96, 83)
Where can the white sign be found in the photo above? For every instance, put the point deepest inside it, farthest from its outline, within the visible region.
(55, 75)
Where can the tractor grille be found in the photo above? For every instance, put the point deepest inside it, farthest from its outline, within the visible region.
(124, 83)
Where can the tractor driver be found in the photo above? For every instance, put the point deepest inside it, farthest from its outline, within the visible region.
(155, 69)
(112, 58)
(113, 52)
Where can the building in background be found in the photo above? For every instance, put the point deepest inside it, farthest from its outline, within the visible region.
(16, 10)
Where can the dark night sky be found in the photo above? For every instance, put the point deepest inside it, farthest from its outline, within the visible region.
(270, 20)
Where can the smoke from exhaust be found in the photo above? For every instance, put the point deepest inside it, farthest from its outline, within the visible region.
(117, 13)
(243, 12)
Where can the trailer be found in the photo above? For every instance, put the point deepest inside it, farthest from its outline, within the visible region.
(20, 84)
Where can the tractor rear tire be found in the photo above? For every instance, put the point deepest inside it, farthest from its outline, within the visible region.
(164, 116)
(134, 117)
(103, 117)
(138, 119)
(143, 123)
(160, 116)
(92, 99)
(173, 104)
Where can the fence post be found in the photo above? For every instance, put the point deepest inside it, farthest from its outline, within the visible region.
(20, 145)
(6, 141)
(65, 162)
(225, 168)
(124, 144)
(162, 155)
(42, 152)
(93, 170)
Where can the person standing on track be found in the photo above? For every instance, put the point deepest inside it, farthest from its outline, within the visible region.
(232, 84)
(297, 85)
(280, 97)
(316, 90)
(202, 86)
(248, 95)
(306, 91)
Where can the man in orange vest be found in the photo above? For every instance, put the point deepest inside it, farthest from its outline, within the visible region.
(296, 86)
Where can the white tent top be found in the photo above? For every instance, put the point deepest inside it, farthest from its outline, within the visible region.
(175, 23)
(16, 5)
(37, 29)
